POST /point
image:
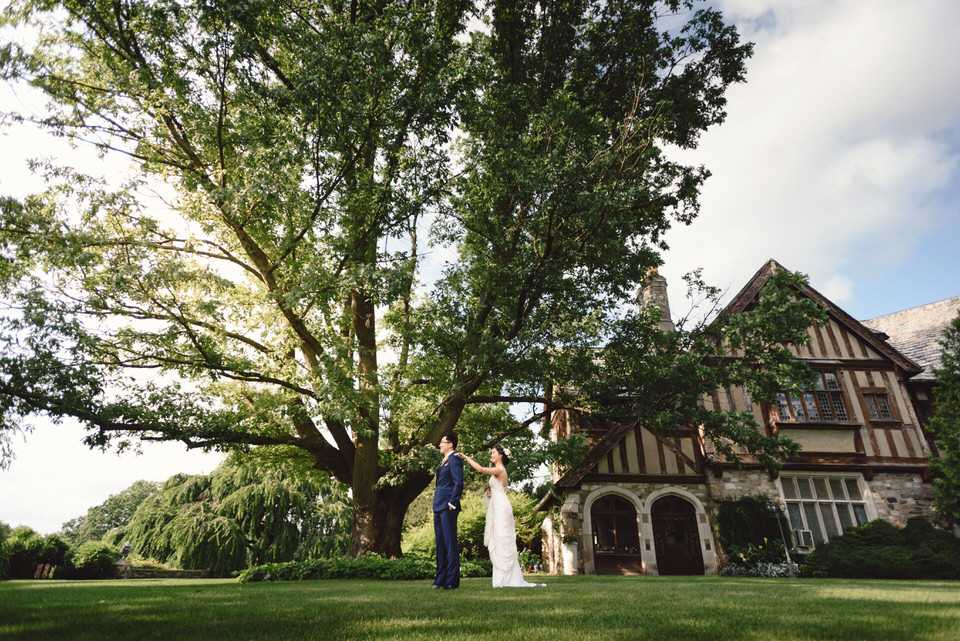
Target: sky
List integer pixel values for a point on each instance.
(839, 158)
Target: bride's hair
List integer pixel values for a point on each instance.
(504, 458)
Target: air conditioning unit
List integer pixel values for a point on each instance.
(804, 538)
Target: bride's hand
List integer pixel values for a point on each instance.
(461, 456)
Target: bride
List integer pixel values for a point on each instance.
(499, 534)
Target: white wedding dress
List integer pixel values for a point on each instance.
(500, 537)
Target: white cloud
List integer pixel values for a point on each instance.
(840, 150)
(839, 289)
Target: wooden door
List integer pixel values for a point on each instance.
(676, 537)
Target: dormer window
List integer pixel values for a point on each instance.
(824, 404)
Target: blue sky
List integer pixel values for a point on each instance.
(840, 158)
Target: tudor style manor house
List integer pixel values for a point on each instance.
(642, 504)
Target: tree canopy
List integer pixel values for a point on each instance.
(382, 221)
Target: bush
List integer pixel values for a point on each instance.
(55, 550)
(751, 538)
(421, 541)
(23, 550)
(880, 550)
(470, 527)
(4, 560)
(94, 560)
(767, 570)
(371, 566)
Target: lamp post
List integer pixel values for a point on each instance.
(775, 513)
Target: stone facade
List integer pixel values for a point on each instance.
(899, 497)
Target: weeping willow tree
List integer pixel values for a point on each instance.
(244, 513)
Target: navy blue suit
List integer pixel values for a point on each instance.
(447, 493)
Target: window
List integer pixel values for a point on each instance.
(823, 404)
(824, 505)
(877, 406)
(614, 525)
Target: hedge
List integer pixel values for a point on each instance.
(880, 550)
(408, 568)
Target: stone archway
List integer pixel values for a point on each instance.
(676, 536)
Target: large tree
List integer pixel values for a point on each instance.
(384, 219)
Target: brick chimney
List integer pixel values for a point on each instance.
(654, 292)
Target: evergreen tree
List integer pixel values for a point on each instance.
(945, 425)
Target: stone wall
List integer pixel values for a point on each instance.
(899, 497)
(123, 570)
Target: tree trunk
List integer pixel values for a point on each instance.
(378, 527)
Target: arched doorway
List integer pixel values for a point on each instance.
(676, 536)
(616, 540)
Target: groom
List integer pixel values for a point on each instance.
(446, 508)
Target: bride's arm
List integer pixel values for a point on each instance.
(477, 466)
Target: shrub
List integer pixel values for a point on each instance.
(411, 567)
(880, 550)
(748, 531)
(55, 550)
(24, 548)
(4, 560)
(767, 570)
(421, 540)
(94, 560)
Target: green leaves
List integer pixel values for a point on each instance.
(502, 191)
(246, 512)
(945, 426)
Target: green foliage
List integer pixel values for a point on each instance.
(421, 541)
(250, 510)
(311, 166)
(667, 373)
(94, 560)
(880, 550)
(113, 513)
(23, 550)
(748, 530)
(370, 566)
(945, 425)
(751, 538)
(55, 550)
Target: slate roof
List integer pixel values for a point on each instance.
(916, 332)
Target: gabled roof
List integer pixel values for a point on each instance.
(748, 294)
(573, 476)
(917, 332)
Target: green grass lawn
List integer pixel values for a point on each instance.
(569, 608)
